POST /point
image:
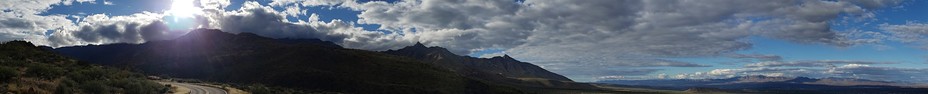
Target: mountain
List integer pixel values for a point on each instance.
(768, 84)
(27, 69)
(500, 69)
(305, 64)
(501, 65)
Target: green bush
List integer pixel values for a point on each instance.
(44, 71)
(70, 76)
(7, 73)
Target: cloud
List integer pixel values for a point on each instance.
(616, 73)
(214, 4)
(57, 30)
(910, 32)
(102, 29)
(627, 68)
(108, 3)
(614, 33)
(19, 20)
(811, 63)
(557, 34)
(307, 2)
(762, 57)
(28, 7)
(562, 29)
(265, 21)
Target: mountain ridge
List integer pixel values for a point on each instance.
(308, 64)
(303, 64)
(504, 65)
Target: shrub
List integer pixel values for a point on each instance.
(7, 73)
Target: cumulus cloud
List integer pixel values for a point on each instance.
(654, 28)
(556, 34)
(28, 7)
(57, 30)
(265, 21)
(101, 29)
(614, 33)
(20, 20)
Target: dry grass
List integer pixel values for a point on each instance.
(228, 89)
(177, 89)
(31, 86)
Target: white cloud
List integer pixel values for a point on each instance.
(214, 4)
(294, 11)
(108, 3)
(910, 32)
(265, 21)
(810, 63)
(19, 20)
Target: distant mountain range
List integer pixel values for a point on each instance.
(768, 84)
(319, 66)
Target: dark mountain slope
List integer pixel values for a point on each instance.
(503, 65)
(310, 65)
(500, 69)
(27, 69)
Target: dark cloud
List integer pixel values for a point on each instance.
(102, 29)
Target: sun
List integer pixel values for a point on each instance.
(183, 8)
(181, 16)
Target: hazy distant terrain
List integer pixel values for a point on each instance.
(765, 84)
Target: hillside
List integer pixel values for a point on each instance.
(27, 69)
(305, 64)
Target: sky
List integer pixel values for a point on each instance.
(585, 40)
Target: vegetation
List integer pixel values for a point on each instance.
(27, 69)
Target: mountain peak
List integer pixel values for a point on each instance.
(499, 65)
(204, 31)
(505, 57)
(419, 44)
(419, 47)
